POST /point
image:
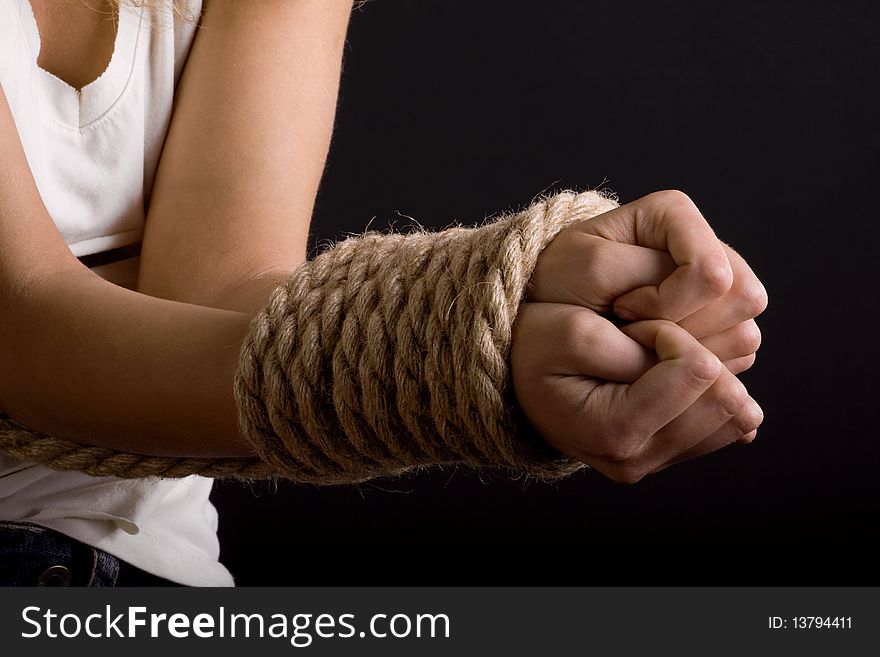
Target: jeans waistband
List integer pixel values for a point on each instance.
(32, 555)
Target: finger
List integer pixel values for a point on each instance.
(740, 340)
(745, 300)
(632, 414)
(724, 400)
(581, 343)
(592, 271)
(740, 365)
(711, 421)
(748, 438)
(742, 428)
(669, 221)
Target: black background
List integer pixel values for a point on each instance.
(764, 113)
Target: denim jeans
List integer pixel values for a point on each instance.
(31, 555)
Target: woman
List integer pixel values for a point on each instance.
(217, 198)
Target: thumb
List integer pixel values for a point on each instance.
(591, 271)
(684, 371)
(670, 222)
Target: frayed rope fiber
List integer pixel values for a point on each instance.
(383, 354)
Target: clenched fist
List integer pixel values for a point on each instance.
(632, 400)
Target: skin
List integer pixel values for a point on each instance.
(76, 38)
(150, 370)
(632, 401)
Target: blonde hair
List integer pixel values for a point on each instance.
(177, 6)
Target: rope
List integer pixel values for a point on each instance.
(20, 442)
(384, 354)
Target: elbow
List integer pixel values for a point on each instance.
(32, 329)
(243, 289)
(19, 349)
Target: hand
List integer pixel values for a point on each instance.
(657, 258)
(628, 403)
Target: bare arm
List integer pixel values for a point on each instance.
(85, 360)
(235, 190)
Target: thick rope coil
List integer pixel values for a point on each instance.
(390, 352)
(383, 354)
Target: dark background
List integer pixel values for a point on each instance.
(764, 113)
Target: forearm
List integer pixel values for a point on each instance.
(91, 362)
(388, 352)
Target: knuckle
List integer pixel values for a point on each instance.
(753, 298)
(730, 395)
(618, 438)
(750, 337)
(752, 417)
(702, 367)
(619, 446)
(716, 274)
(745, 339)
(576, 332)
(674, 198)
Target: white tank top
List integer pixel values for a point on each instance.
(94, 154)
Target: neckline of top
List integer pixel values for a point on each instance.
(80, 108)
